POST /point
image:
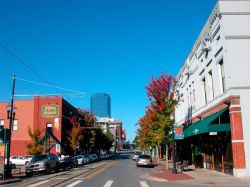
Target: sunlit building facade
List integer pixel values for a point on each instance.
(215, 92)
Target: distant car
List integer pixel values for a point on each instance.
(94, 157)
(135, 155)
(82, 159)
(42, 163)
(144, 160)
(68, 162)
(20, 160)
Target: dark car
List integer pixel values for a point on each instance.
(42, 163)
(68, 162)
(144, 160)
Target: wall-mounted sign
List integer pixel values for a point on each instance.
(178, 135)
(50, 111)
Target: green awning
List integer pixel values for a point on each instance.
(205, 125)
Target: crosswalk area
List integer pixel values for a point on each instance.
(77, 182)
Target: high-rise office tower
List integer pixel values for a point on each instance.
(100, 105)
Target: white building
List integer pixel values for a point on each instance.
(214, 77)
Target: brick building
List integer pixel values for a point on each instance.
(51, 115)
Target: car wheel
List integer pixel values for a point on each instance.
(57, 168)
(29, 174)
(47, 169)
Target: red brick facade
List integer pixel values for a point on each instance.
(29, 114)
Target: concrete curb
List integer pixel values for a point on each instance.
(9, 181)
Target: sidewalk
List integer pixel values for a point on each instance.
(15, 178)
(196, 177)
(9, 181)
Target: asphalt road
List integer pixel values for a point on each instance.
(119, 172)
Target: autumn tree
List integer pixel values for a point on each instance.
(156, 124)
(34, 147)
(75, 135)
(89, 118)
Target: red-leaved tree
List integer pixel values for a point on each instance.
(156, 124)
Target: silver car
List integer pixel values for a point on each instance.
(144, 160)
(42, 163)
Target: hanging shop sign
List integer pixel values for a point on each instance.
(178, 135)
(50, 111)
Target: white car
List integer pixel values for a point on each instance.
(82, 159)
(20, 160)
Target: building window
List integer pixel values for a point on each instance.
(210, 85)
(1, 123)
(222, 76)
(203, 85)
(15, 124)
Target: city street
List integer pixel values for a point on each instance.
(118, 172)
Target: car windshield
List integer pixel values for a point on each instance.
(137, 153)
(144, 156)
(39, 157)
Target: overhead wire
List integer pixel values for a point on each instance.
(48, 85)
(23, 63)
(34, 72)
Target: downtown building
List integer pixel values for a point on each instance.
(214, 89)
(100, 105)
(51, 115)
(114, 127)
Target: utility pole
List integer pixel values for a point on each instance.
(11, 115)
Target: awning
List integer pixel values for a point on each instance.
(206, 125)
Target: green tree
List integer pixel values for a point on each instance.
(34, 147)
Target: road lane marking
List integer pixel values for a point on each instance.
(108, 183)
(78, 178)
(74, 183)
(144, 184)
(39, 183)
(60, 178)
(100, 170)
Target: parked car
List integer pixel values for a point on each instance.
(135, 155)
(42, 163)
(89, 158)
(68, 162)
(20, 160)
(82, 159)
(144, 160)
(60, 157)
(94, 157)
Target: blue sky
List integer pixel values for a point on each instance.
(111, 46)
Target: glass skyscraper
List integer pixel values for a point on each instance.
(100, 105)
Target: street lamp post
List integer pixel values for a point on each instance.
(174, 171)
(11, 110)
